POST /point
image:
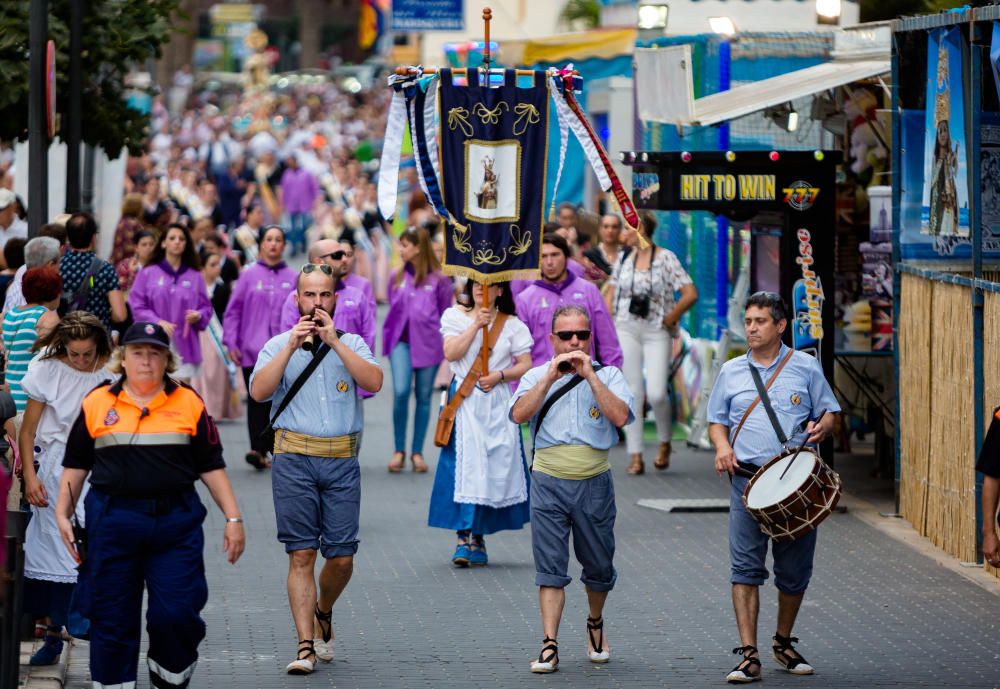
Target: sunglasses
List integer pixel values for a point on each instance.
(567, 335)
(310, 267)
(335, 255)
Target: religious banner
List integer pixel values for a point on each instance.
(946, 200)
(488, 180)
(493, 150)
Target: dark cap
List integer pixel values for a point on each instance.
(146, 333)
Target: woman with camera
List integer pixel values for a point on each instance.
(481, 485)
(641, 299)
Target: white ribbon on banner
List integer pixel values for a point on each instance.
(388, 175)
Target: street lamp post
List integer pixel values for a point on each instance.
(74, 127)
(38, 140)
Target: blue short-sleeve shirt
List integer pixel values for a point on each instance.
(328, 404)
(797, 395)
(576, 419)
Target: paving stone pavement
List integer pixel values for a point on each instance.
(877, 613)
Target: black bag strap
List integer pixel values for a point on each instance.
(318, 355)
(79, 298)
(766, 401)
(574, 381)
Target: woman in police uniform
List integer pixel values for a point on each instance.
(144, 440)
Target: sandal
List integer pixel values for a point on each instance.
(324, 644)
(547, 663)
(663, 458)
(599, 654)
(303, 665)
(741, 674)
(397, 463)
(788, 658)
(419, 465)
(637, 467)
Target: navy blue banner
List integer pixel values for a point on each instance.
(428, 15)
(493, 162)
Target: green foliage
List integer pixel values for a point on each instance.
(117, 35)
(586, 13)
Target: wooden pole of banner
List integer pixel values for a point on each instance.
(487, 16)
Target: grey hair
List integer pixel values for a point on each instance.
(569, 310)
(41, 250)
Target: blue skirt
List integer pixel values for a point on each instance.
(445, 513)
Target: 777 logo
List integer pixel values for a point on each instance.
(801, 195)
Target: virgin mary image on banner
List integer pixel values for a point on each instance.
(945, 200)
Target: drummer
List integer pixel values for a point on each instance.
(797, 391)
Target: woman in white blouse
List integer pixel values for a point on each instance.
(71, 364)
(481, 483)
(642, 300)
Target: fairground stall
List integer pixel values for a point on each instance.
(946, 122)
(806, 111)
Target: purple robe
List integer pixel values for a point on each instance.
(364, 284)
(537, 303)
(161, 294)
(417, 311)
(253, 315)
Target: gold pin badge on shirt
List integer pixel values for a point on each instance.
(796, 399)
(342, 385)
(594, 412)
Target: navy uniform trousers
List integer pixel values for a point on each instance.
(156, 544)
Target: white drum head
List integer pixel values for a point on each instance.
(769, 489)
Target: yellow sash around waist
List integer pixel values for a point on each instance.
(573, 462)
(339, 447)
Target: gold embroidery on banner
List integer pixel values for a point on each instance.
(521, 240)
(527, 114)
(487, 116)
(486, 255)
(459, 117)
(460, 238)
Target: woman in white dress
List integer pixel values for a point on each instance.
(71, 364)
(481, 484)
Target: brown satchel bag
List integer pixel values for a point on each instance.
(446, 419)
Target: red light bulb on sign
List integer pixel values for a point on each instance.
(774, 156)
(686, 157)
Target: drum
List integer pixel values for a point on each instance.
(790, 507)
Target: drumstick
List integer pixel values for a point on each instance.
(801, 447)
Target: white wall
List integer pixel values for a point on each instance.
(687, 16)
(109, 176)
(512, 20)
(614, 97)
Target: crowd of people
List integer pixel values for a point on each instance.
(120, 368)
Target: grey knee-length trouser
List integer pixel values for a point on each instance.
(585, 508)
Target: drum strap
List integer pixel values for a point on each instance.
(762, 395)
